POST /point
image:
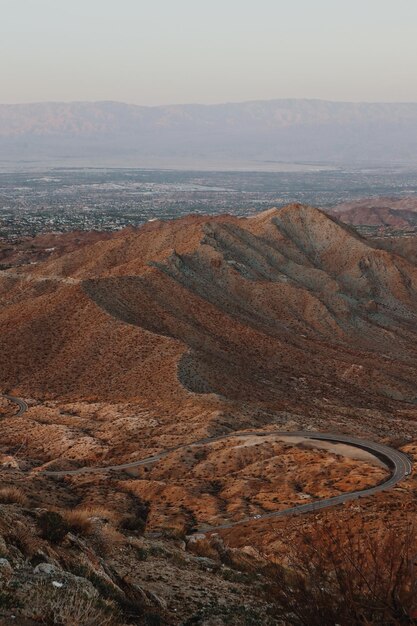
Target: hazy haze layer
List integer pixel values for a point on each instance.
(257, 133)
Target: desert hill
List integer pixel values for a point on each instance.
(394, 213)
(284, 307)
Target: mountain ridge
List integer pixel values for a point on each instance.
(236, 308)
(288, 130)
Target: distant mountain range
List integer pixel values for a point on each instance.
(258, 133)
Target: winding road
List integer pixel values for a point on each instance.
(398, 462)
(23, 407)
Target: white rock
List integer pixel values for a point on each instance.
(46, 568)
(6, 569)
(195, 538)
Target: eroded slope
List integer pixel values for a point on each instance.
(286, 306)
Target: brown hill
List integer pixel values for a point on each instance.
(281, 308)
(396, 213)
(405, 245)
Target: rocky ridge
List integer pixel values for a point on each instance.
(289, 303)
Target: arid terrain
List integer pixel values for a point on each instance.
(127, 345)
(392, 213)
(29, 250)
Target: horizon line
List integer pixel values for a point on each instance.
(202, 104)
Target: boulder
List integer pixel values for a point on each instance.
(6, 569)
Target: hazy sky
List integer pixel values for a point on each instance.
(172, 51)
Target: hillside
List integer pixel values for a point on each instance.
(234, 134)
(182, 350)
(273, 310)
(41, 247)
(393, 213)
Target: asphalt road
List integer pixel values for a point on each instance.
(23, 407)
(398, 463)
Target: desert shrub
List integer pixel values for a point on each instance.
(107, 538)
(157, 551)
(348, 575)
(68, 607)
(297, 486)
(53, 526)
(178, 560)
(207, 548)
(12, 495)
(201, 454)
(82, 520)
(78, 521)
(28, 543)
(215, 486)
(173, 533)
(133, 523)
(100, 512)
(141, 553)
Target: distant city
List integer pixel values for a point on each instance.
(59, 200)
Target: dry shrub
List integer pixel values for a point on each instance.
(100, 512)
(206, 547)
(83, 519)
(12, 495)
(68, 607)
(346, 575)
(52, 526)
(21, 537)
(78, 521)
(96, 523)
(107, 538)
(132, 523)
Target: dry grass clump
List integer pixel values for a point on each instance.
(82, 520)
(96, 522)
(78, 521)
(101, 512)
(69, 607)
(27, 542)
(107, 538)
(12, 495)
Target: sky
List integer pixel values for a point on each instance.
(154, 52)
